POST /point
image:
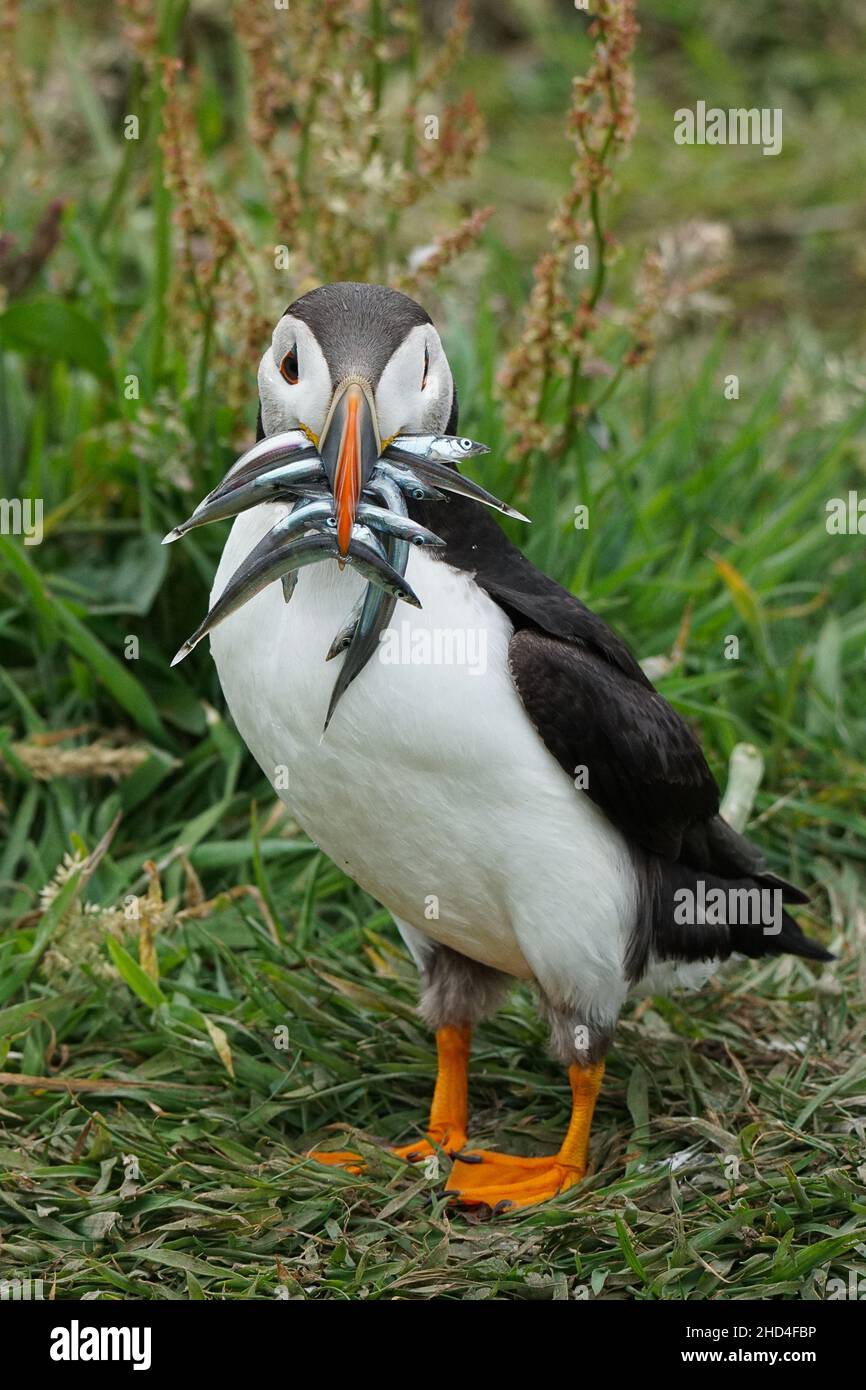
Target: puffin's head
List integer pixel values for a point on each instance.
(354, 365)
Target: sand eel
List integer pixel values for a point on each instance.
(558, 813)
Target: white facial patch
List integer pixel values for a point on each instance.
(285, 407)
(403, 405)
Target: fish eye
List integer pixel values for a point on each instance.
(418, 540)
(466, 444)
(426, 366)
(417, 493)
(289, 366)
(331, 521)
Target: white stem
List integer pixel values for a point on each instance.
(745, 771)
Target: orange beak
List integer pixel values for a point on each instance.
(349, 447)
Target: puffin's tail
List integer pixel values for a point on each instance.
(696, 915)
(790, 940)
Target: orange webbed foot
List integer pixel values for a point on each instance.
(504, 1182)
(448, 1115)
(339, 1158)
(418, 1151)
(483, 1177)
(449, 1140)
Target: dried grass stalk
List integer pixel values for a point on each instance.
(90, 760)
(545, 378)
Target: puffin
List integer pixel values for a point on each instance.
(539, 813)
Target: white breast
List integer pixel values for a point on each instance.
(431, 788)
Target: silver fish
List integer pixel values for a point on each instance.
(274, 448)
(451, 481)
(268, 563)
(289, 475)
(308, 514)
(381, 485)
(362, 533)
(227, 501)
(344, 636)
(395, 524)
(367, 560)
(376, 613)
(401, 475)
(384, 487)
(309, 517)
(288, 466)
(436, 448)
(303, 513)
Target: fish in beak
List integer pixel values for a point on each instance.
(349, 447)
(349, 491)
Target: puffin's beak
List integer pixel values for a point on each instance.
(349, 447)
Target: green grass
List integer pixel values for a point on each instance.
(752, 1091)
(727, 1148)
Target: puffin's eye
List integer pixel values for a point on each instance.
(289, 366)
(426, 365)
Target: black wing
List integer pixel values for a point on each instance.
(584, 691)
(629, 750)
(595, 709)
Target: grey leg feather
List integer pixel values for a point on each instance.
(456, 990)
(572, 1037)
